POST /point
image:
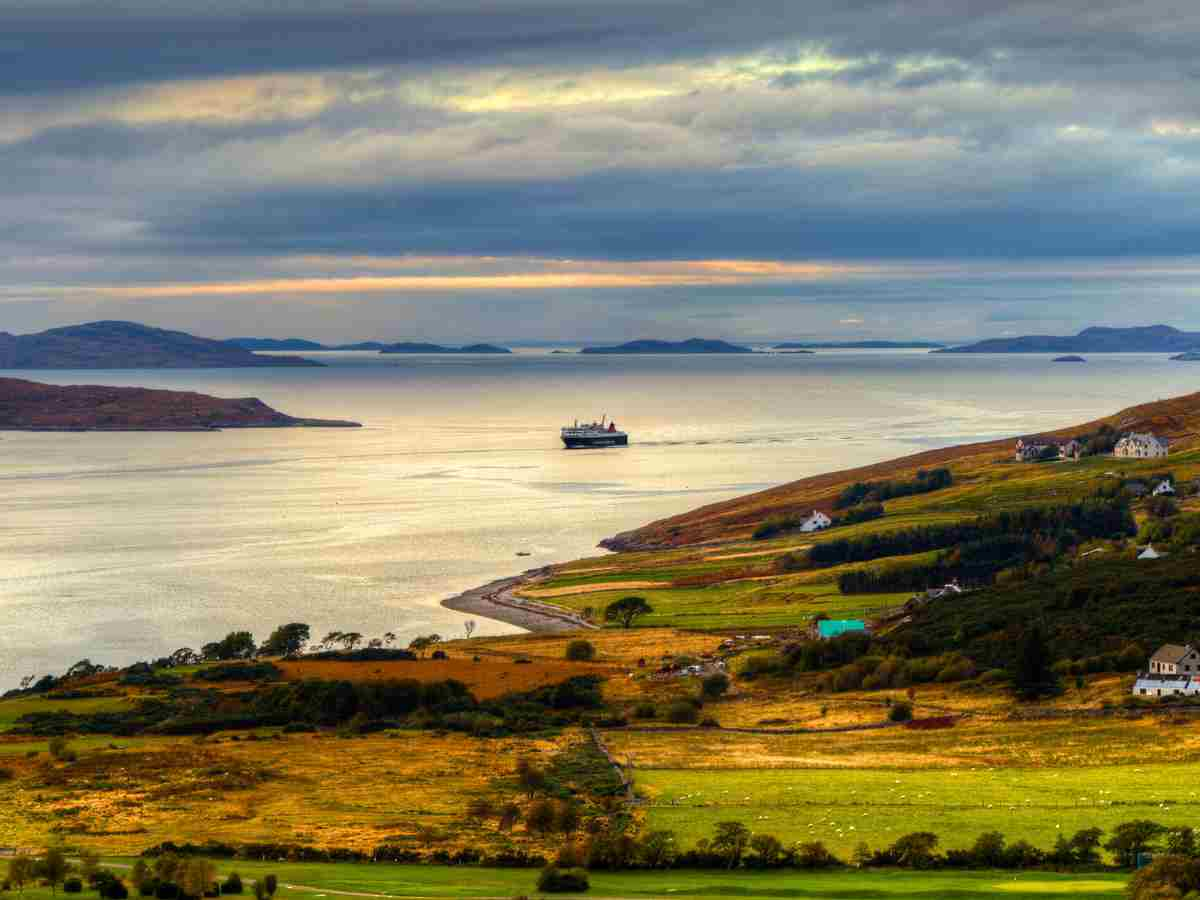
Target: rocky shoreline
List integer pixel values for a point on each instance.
(497, 600)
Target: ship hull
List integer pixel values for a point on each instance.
(581, 443)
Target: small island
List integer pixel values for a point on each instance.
(438, 348)
(1070, 358)
(693, 345)
(32, 406)
(858, 345)
(1190, 356)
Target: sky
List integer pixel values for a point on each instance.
(535, 170)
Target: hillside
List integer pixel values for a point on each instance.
(30, 406)
(1147, 339)
(858, 345)
(254, 343)
(127, 345)
(1178, 419)
(692, 345)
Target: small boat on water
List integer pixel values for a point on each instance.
(594, 434)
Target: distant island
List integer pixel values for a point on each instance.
(1068, 359)
(694, 345)
(858, 345)
(269, 344)
(31, 406)
(1146, 339)
(1190, 356)
(128, 345)
(438, 348)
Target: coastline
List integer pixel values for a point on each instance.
(223, 426)
(497, 600)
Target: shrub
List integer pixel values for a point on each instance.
(644, 711)
(682, 712)
(6, 774)
(815, 855)
(713, 686)
(554, 880)
(901, 712)
(581, 651)
(60, 749)
(72, 886)
(232, 884)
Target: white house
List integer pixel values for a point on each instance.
(1175, 659)
(816, 522)
(1164, 487)
(1141, 446)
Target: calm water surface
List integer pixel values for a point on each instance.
(119, 547)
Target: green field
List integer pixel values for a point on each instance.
(327, 879)
(843, 807)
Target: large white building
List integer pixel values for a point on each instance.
(1141, 446)
(818, 521)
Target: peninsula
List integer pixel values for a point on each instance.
(1146, 339)
(128, 345)
(301, 344)
(32, 406)
(693, 345)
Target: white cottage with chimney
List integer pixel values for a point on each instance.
(1141, 446)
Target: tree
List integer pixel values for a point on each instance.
(350, 639)
(580, 650)
(197, 877)
(626, 610)
(541, 816)
(1131, 838)
(327, 642)
(510, 814)
(988, 850)
(568, 817)
(286, 640)
(1085, 845)
(271, 883)
(184, 656)
(235, 645)
(1033, 677)
(20, 871)
(714, 685)
(530, 778)
(917, 850)
(1166, 877)
(767, 850)
(658, 849)
(730, 841)
(139, 874)
(469, 627)
(423, 642)
(1181, 841)
(53, 867)
(89, 865)
(389, 638)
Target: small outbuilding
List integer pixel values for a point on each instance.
(818, 521)
(825, 629)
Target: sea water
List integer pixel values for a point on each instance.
(125, 546)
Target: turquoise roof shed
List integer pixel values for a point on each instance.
(831, 628)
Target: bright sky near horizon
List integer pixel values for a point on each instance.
(538, 169)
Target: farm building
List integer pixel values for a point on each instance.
(818, 521)
(1141, 446)
(1029, 451)
(1148, 685)
(1164, 488)
(824, 629)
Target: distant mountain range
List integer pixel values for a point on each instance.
(253, 343)
(127, 345)
(694, 345)
(31, 406)
(1147, 339)
(858, 345)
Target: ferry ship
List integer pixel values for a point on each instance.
(594, 434)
